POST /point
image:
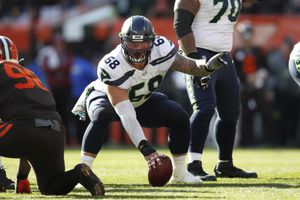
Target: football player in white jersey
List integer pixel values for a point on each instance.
(204, 28)
(125, 91)
(294, 63)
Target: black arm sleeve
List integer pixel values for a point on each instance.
(183, 20)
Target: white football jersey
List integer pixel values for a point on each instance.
(113, 69)
(295, 54)
(214, 22)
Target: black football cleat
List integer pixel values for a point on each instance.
(196, 169)
(4, 181)
(228, 170)
(89, 180)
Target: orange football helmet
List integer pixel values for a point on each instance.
(8, 50)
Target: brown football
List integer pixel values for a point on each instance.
(162, 173)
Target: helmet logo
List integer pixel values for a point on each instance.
(137, 38)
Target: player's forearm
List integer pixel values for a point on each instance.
(190, 66)
(187, 44)
(119, 99)
(127, 114)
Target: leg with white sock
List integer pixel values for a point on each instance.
(180, 173)
(94, 135)
(91, 143)
(87, 158)
(101, 114)
(177, 120)
(199, 126)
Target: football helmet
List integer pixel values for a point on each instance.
(137, 37)
(8, 50)
(294, 63)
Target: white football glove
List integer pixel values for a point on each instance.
(216, 62)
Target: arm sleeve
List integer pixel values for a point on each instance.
(127, 114)
(183, 20)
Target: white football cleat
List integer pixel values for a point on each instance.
(186, 178)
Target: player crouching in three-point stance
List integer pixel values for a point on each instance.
(125, 90)
(31, 129)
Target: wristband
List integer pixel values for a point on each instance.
(145, 148)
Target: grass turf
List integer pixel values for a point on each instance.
(124, 173)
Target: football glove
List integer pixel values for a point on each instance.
(216, 62)
(23, 186)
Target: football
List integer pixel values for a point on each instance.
(160, 176)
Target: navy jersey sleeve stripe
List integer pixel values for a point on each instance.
(121, 80)
(164, 58)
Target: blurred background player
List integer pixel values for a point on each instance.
(204, 28)
(249, 60)
(32, 129)
(125, 90)
(294, 63)
(286, 94)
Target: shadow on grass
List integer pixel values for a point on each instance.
(146, 187)
(171, 191)
(144, 191)
(257, 185)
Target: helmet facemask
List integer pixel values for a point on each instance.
(137, 52)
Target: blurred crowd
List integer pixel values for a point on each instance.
(270, 115)
(269, 95)
(57, 10)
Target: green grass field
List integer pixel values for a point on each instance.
(124, 173)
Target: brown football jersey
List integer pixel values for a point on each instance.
(23, 95)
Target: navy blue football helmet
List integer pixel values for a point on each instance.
(137, 37)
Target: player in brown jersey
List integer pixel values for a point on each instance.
(31, 129)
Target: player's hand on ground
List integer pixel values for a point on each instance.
(153, 160)
(216, 62)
